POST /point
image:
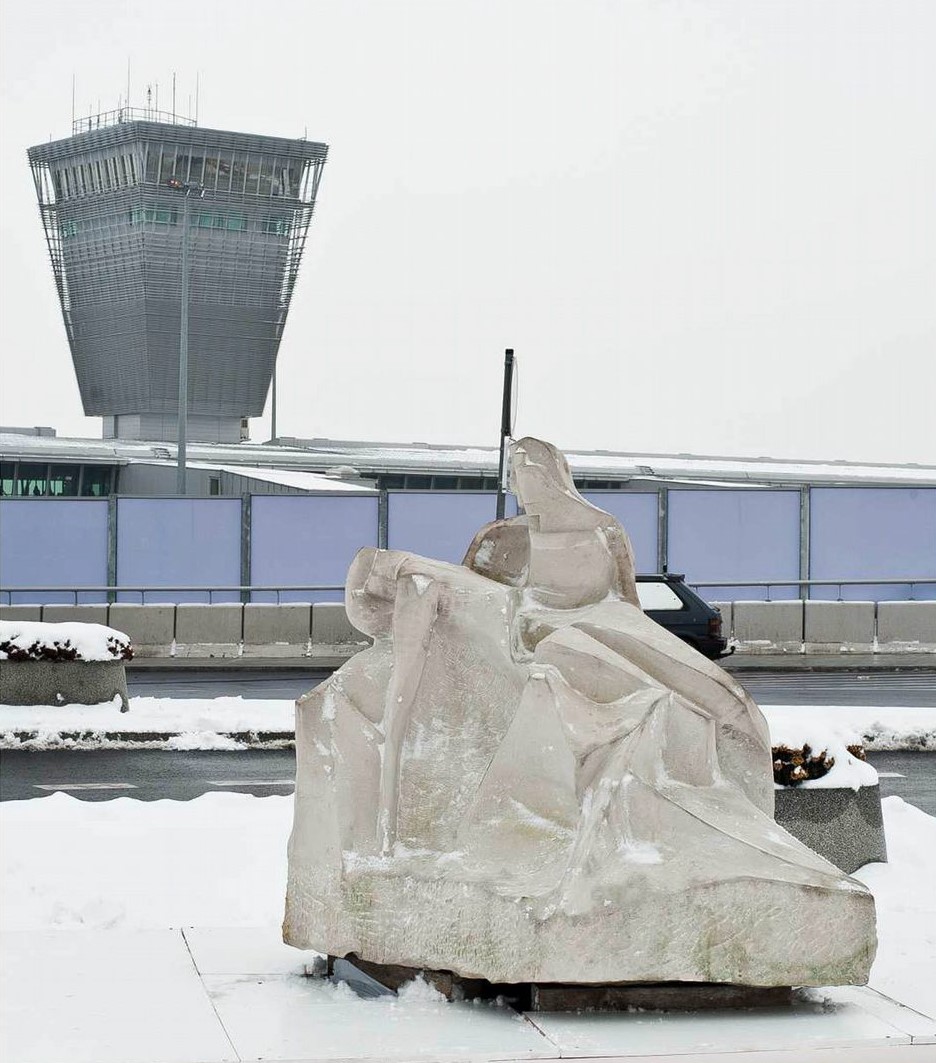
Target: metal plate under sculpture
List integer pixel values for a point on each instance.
(527, 780)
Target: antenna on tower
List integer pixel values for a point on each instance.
(173, 95)
(73, 101)
(157, 100)
(196, 97)
(128, 81)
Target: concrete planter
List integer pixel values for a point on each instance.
(845, 826)
(63, 683)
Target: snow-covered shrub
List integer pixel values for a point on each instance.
(32, 641)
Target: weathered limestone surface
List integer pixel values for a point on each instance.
(525, 779)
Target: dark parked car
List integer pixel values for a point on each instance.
(666, 599)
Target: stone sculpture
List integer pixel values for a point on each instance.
(525, 779)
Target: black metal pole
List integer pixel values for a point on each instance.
(505, 430)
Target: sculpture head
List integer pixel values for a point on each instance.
(564, 550)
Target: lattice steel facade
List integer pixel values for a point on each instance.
(114, 229)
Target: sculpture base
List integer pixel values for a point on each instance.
(555, 996)
(742, 931)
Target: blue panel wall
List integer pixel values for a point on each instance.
(867, 532)
(440, 524)
(297, 540)
(178, 542)
(743, 535)
(53, 542)
(637, 512)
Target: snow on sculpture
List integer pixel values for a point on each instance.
(525, 779)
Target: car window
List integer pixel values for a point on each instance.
(658, 596)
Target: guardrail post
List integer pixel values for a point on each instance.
(246, 512)
(383, 519)
(662, 529)
(804, 543)
(111, 549)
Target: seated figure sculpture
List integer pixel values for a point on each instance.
(525, 779)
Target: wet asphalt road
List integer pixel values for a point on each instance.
(770, 688)
(153, 774)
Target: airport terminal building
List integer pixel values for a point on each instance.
(140, 208)
(295, 512)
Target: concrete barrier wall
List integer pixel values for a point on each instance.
(278, 630)
(831, 627)
(904, 626)
(151, 628)
(834, 627)
(769, 627)
(321, 632)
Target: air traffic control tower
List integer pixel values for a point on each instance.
(117, 198)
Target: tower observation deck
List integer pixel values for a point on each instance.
(116, 199)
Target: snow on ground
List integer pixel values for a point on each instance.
(198, 723)
(905, 895)
(876, 727)
(220, 861)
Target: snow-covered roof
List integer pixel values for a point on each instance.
(307, 481)
(370, 458)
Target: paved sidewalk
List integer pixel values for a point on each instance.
(829, 662)
(215, 995)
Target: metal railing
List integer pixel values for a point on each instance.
(245, 593)
(110, 593)
(129, 114)
(805, 584)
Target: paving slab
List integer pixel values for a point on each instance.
(820, 1020)
(285, 1017)
(105, 997)
(245, 950)
(213, 995)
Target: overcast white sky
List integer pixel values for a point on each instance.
(705, 227)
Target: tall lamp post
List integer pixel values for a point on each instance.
(187, 189)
